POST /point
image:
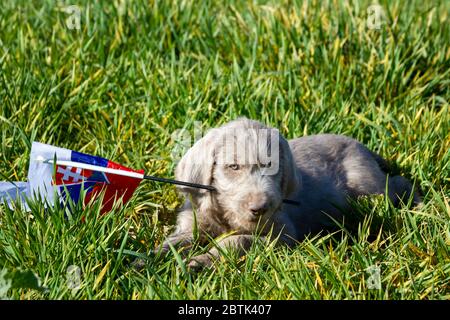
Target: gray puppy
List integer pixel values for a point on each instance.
(253, 168)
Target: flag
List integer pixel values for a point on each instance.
(72, 172)
(14, 192)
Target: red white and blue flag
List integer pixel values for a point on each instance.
(64, 173)
(73, 178)
(72, 172)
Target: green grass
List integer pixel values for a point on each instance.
(134, 74)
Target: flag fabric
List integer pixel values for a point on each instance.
(14, 192)
(73, 171)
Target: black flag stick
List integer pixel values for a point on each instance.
(200, 186)
(181, 183)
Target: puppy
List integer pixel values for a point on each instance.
(253, 169)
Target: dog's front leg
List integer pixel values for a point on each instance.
(240, 243)
(183, 236)
(181, 241)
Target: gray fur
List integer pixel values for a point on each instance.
(321, 172)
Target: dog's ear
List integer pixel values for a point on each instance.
(196, 165)
(290, 180)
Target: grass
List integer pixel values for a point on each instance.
(137, 71)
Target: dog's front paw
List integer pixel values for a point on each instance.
(138, 264)
(163, 249)
(200, 262)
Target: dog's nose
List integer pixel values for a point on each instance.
(258, 208)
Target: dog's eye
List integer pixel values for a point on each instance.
(233, 166)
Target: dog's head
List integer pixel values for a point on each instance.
(250, 166)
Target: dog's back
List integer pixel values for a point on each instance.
(332, 169)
